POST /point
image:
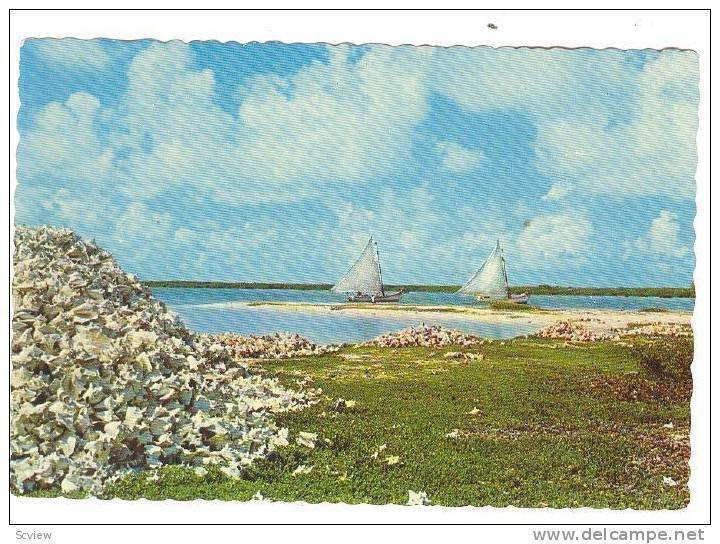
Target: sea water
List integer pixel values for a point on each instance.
(216, 310)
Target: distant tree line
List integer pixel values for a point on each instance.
(543, 289)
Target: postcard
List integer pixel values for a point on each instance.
(354, 273)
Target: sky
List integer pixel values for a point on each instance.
(276, 162)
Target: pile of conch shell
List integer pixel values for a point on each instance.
(428, 336)
(106, 381)
(673, 330)
(279, 345)
(572, 331)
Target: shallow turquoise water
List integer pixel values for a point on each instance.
(211, 310)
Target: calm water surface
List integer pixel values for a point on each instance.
(211, 310)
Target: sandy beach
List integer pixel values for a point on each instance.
(601, 321)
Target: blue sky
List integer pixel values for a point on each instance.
(275, 162)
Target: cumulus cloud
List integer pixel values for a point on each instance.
(662, 238)
(457, 158)
(72, 53)
(554, 239)
(545, 83)
(63, 144)
(349, 121)
(601, 125)
(653, 153)
(343, 121)
(340, 121)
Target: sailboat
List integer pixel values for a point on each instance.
(490, 281)
(363, 282)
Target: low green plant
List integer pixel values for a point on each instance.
(666, 358)
(653, 310)
(512, 428)
(509, 305)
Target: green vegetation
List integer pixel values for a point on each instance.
(513, 306)
(399, 307)
(236, 285)
(523, 426)
(667, 358)
(653, 310)
(664, 292)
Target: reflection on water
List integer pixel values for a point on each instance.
(203, 311)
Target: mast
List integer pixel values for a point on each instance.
(377, 254)
(502, 257)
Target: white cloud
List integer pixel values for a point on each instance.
(545, 83)
(340, 122)
(139, 222)
(457, 158)
(353, 121)
(402, 224)
(653, 153)
(603, 124)
(63, 143)
(72, 53)
(554, 240)
(661, 239)
(557, 191)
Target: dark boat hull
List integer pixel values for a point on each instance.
(521, 298)
(374, 299)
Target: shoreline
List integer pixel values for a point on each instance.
(543, 290)
(596, 320)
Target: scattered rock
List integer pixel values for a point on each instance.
(341, 405)
(467, 356)
(417, 498)
(377, 452)
(302, 469)
(392, 460)
(307, 439)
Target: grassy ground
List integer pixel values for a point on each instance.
(526, 427)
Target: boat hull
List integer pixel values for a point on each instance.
(521, 298)
(375, 299)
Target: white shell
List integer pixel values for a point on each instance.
(115, 370)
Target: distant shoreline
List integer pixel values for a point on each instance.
(661, 292)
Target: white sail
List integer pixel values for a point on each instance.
(490, 280)
(364, 276)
